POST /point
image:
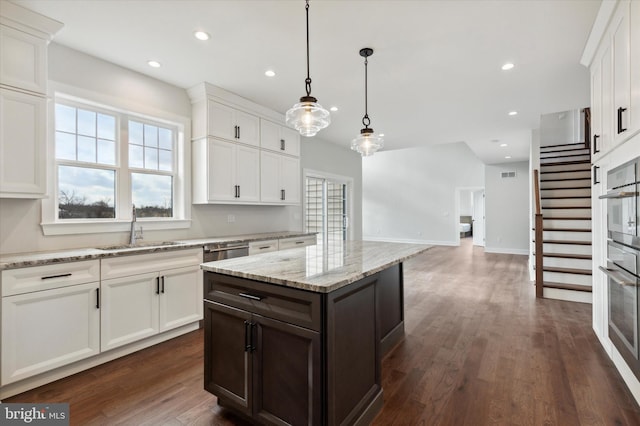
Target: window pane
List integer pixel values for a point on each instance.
(165, 160)
(165, 138)
(65, 118)
(65, 146)
(106, 152)
(135, 133)
(86, 149)
(85, 193)
(151, 158)
(106, 127)
(150, 135)
(86, 122)
(152, 195)
(136, 156)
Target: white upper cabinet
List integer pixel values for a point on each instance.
(280, 179)
(275, 137)
(232, 124)
(24, 36)
(621, 79)
(634, 65)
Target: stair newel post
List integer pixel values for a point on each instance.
(538, 235)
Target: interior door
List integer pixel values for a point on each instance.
(478, 218)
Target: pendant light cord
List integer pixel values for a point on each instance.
(308, 80)
(365, 120)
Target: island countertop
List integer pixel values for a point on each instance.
(317, 268)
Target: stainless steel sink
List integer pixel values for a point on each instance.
(138, 245)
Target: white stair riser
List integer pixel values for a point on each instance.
(582, 192)
(565, 262)
(556, 153)
(568, 202)
(566, 248)
(565, 167)
(556, 160)
(560, 277)
(551, 213)
(569, 295)
(565, 183)
(566, 236)
(566, 147)
(572, 224)
(568, 175)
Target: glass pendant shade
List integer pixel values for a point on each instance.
(367, 143)
(308, 117)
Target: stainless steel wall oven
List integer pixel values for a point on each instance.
(623, 260)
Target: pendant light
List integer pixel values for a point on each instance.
(308, 117)
(367, 143)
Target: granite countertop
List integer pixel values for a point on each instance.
(23, 260)
(316, 268)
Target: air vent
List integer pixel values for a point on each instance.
(505, 175)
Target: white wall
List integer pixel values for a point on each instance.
(409, 194)
(20, 229)
(466, 202)
(507, 202)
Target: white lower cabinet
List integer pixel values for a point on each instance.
(48, 319)
(155, 299)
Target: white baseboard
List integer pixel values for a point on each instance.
(506, 251)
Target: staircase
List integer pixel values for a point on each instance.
(565, 202)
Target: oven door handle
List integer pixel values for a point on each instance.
(619, 194)
(617, 277)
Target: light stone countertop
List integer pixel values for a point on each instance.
(317, 269)
(23, 260)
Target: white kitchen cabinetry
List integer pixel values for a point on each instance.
(280, 178)
(266, 246)
(275, 137)
(232, 124)
(24, 36)
(287, 243)
(143, 295)
(50, 317)
(225, 172)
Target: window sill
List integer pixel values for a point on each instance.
(98, 227)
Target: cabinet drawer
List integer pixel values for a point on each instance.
(36, 278)
(287, 243)
(258, 247)
(123, 266)
(290, 305)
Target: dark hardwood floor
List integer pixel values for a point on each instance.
(479, 349)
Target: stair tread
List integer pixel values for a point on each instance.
(566, 229)
(564, 171)
(568, 207)
(565, 187)
(564, 144)
(566, 179)
(563, 286)
(566, 218)
(574, 242)
(575, 271)
(551, 151)
(561, 156)
(568, 255)
(565, 163)
(567, 197)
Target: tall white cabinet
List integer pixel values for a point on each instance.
(24, 37)
(241, 152)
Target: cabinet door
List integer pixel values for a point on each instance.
(596, 111)
(621, 87)
(221, 122)
(227, 362)
(248, 128)
(129, 309)
(607, 111)
(269, 135)
(290, 179)
(24, 60)
(221, 170)
(48, 329)
(291, 140)
(247, 173)
(270, 190)
(634, 65)
(180, 297)
(286, 373)
(22, 145)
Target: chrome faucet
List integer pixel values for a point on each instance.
(134, 236)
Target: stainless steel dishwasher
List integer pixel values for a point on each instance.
(220, 251)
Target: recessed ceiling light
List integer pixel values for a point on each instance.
(507, 156)
(154, 64)
(201, 35)
(333, 109)
(381, 135)
(503, 145)
(270, 73)
(507, 66)
(513, 112)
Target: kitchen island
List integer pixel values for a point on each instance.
(297, 336)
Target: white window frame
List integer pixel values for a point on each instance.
(181, 219)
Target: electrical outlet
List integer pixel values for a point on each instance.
(231, 218)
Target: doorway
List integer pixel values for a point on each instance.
(327, 203)
(469, 213)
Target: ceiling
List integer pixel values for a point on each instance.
(435, 75)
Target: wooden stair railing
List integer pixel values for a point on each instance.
(538, 235)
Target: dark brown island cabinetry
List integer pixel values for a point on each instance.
(281, 355)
